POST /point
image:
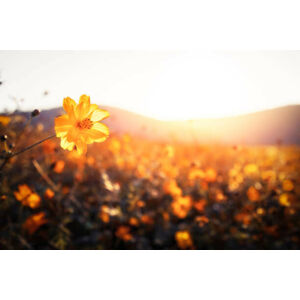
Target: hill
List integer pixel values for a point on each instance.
(265, 127)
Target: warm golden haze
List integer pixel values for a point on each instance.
(210, 84)
(81, 124)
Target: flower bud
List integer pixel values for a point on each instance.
(3, 137)
(35, 113)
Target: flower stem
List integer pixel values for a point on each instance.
(33, 145)
(25, 149)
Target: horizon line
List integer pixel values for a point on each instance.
(165, 120)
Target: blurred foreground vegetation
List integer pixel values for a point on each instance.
(129, 193)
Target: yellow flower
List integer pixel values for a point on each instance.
(184, 239)
(81, 126)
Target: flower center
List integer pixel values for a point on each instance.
(85, 124)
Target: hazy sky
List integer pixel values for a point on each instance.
(163, 85)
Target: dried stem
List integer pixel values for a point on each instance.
(23, 150)
(44, 175)
(33, 145)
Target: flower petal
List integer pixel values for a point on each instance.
(98, 133)
(83, 108)
(62, 122)
(73, 135)
(65, 144)
(69, 106)
(101, 127)
(85, 99)
(62, 125)
(95, 136)
(81, 147)
(99, 115)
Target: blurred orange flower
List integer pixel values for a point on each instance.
(123, 233)
(260, 211)
(34, 222)
(184, 239)
(181, 206)
(251, 169)
(196, 174)
(201, 220)
(114, 146)
(81, 125)
(133, 221)
(284, 199)
(287, 185)
(169, 151)
(147, 220)
(172, 188)
(49, 146)
(104, 216)
(27, 197)
(59, 166)
(200, 205)
(4, 120)
(243, 217)
(253, 194)
(220, 197)
(210, 175)
(268, 175)
(49, 194)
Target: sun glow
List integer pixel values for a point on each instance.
(161, 85)
(189, 87)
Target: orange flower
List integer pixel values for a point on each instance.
(181, 206)
(4, 120)
(287, 185)
(133, 221)
(253, 194)
(201, 220)
(172, 188)
(250, 170)
(220, 197)
(104, 217)
(59, 166)
(27, 197)
(210, 175)
(114, 146)
(184, 239)
(196, 174)
(200, 205)
(49, 146)
(49, 194)
(147, 220)
(81, 126)
(123, 233)
(33, 223)
(285, 199)
(243, 217)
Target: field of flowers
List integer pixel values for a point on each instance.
(129, 193)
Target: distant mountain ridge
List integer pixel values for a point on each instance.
(264, 127)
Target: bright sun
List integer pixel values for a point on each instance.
(192, 87)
